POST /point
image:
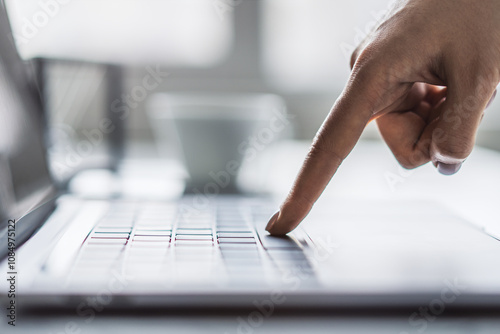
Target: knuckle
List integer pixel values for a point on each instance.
(412, 160)
(299, 202)
(375, 76)
(406, 164)
(366, 62)
(457, 149)
(388, 60)
(412, 156)
(374, 59)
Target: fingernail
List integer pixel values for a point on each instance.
(491, 100)
(448, 169)
(272, 221)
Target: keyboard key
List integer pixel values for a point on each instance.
(139, 258)
(240, 253)
(194, 230)
(237, 240)
(193, 237)
(102, 229)
(245, 261)
(238, 246)
(143, 249)
(148, 245)
(98, 235)
(234, 229)
(197, 256)
(241, 234)
(152, 238)
(272, 242)
(194, 252)
(194, 243)
(186, 230)
(154, 228)
(153, 232)
(144, 267)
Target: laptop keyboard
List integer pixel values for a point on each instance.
(190, 242)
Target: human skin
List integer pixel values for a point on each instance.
(425, 75)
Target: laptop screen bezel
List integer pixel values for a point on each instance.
(15, 207)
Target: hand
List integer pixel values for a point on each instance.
(426, 75)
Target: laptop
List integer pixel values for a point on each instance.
(62, 250)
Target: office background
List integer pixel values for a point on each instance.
(298, 49)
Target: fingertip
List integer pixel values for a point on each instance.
(272, 221)
(278, 226)
(278, 230)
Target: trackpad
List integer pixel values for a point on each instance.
(400, 246)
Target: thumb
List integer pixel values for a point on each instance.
(454, 134)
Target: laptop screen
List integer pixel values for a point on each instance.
(24, 175)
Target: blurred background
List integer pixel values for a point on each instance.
(98, 55)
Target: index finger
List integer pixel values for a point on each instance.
(334, 141)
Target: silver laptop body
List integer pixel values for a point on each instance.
(89, 254)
